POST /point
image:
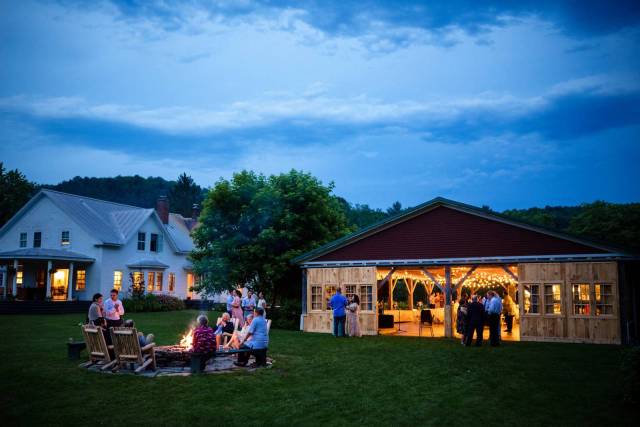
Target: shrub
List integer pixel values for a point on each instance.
(286, 315)
(151, 302)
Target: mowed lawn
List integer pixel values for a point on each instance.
(316, 379)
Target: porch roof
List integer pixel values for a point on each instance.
(45, 254)
(148, 263)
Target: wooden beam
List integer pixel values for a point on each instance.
(386, 278)
(465, 277)
(433, 278)
(448, 321)
(411, 286)
(509, 272)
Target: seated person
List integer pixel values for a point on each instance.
(141, 338)
(225, 325)
(203, 340)
(240, 335)
(257, 339)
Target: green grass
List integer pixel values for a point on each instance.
(316, 379)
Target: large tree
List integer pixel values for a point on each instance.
(252, 226)
(184, 194)
(15, 191)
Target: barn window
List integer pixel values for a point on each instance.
(366, 297)
(552, 300)
(329, 291)
(350, 290)
(316, 298)
(581, 299)
(531, 299)
(604, 299)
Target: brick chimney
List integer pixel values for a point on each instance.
(162, 208)
(195, 211)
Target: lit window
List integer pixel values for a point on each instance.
(581, 299)
(23, 240)
(138, 279)
(316, 298)
(531, 299)
(142, 241)
(604, 299)
(155, 243)
(37, 239)
(552, 300)
(19, 276)
(350, 290)
(81, 280)
(366, 297)
(159, 277)
(329, 291)
(151, 280)
(172, 282)
(64, 238)
(117, 280)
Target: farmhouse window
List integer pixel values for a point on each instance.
(37, 239)
(172, 282)
(81, 280)
(142, 241)
(151, 280)
(23, 240)
(64, 238)
(117, 280)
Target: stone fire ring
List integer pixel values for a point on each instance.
(173, 360)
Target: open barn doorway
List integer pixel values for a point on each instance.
(413, 301)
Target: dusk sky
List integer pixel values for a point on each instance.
(532, 104)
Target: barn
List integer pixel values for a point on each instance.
(564, 288)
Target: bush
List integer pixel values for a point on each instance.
(286, 315)
(151, 302)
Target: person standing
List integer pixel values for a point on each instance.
(495, 309)
(353, 316)
(236, 309)
(249, 303)
(262, 303)
(114, 310)
(461, 320)
(509, 310)
(230, 295)
(475, 321)
(338, 304)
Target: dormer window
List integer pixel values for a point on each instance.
(23, 240)
(142, 241)
(37, 239)
(64, 239)
(155, 243)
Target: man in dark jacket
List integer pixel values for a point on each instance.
(475, 321)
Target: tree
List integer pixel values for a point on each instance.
(609, 222)
(184, 194)
(395, 209)
(252, 226)
(15, 191)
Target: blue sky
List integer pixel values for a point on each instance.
(508, 104)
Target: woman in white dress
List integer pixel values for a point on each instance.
(262, 303)
(353, 316)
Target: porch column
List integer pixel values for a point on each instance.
(410, 287)
(49, 267)
(4, 282)
(70, 283)
(448, 324)
(391, 294)
(14, 286)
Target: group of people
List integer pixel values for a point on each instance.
(346, 314)
(240, 307)
(473, 315)
(253, 336)
(108, 314)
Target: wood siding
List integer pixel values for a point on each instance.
(322, 320)
(567, 326)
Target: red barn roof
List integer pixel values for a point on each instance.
(447, 230)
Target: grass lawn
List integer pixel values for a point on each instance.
(316, 379)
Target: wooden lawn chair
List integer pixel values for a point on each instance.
(226, 336)
(97, 347)
(127, 349)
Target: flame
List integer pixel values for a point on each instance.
(187, 340)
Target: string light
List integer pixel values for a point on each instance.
(482, 277)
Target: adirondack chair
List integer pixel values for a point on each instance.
(127, 349)
(97, 347)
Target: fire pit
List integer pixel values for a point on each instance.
(175, 355)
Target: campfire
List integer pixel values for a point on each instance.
(187, 340)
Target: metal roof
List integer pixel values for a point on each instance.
(45, 254)
(148, 263)
(111, 223)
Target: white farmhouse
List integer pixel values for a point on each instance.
(64, 247)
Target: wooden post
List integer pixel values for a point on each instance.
(49, 267)
(410, 288)
(70, 283)
(391, 293)
(14, 284)
(448, 324)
